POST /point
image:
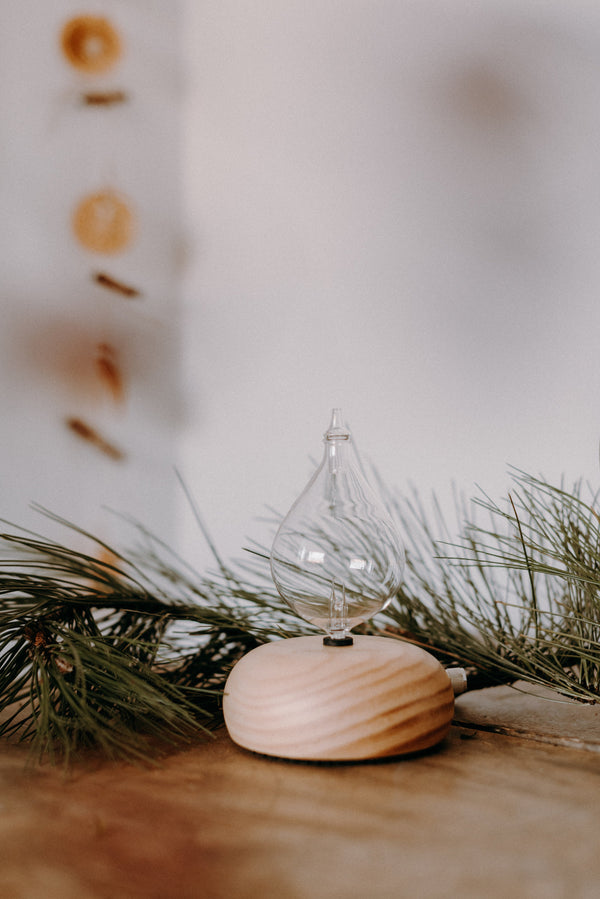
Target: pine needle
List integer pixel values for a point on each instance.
(127, 658)
(519, 599)
(130, 658)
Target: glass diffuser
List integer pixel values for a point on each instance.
(336, 558)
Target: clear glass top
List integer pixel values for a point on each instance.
(336, 558)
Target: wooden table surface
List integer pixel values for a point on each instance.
(485, 815)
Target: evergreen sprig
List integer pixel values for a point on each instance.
(128, 652)
(129, 656)
(518, 599)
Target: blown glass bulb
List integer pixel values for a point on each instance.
(336, 558)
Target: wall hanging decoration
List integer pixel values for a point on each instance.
(90, 341)
(103, 221)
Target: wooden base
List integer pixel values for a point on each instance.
(299, 699)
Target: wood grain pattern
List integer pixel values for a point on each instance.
(532, 712)
(300, 699)
(483, 815)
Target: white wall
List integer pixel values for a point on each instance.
(389, 206)
(392, 207)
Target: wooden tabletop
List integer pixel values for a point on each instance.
(485, 815)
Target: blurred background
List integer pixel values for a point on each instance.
(382, 205)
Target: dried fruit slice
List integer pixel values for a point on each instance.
(104, 222)
(91, 44)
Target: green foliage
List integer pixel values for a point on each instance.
(518, 599)
(130, 656)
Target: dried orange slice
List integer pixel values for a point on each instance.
(91, 44)
(104, 222)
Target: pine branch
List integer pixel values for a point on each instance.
(519, 599)
(129, 658)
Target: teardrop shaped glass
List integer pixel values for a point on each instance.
(336, 558)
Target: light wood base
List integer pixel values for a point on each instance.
(299, 699)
